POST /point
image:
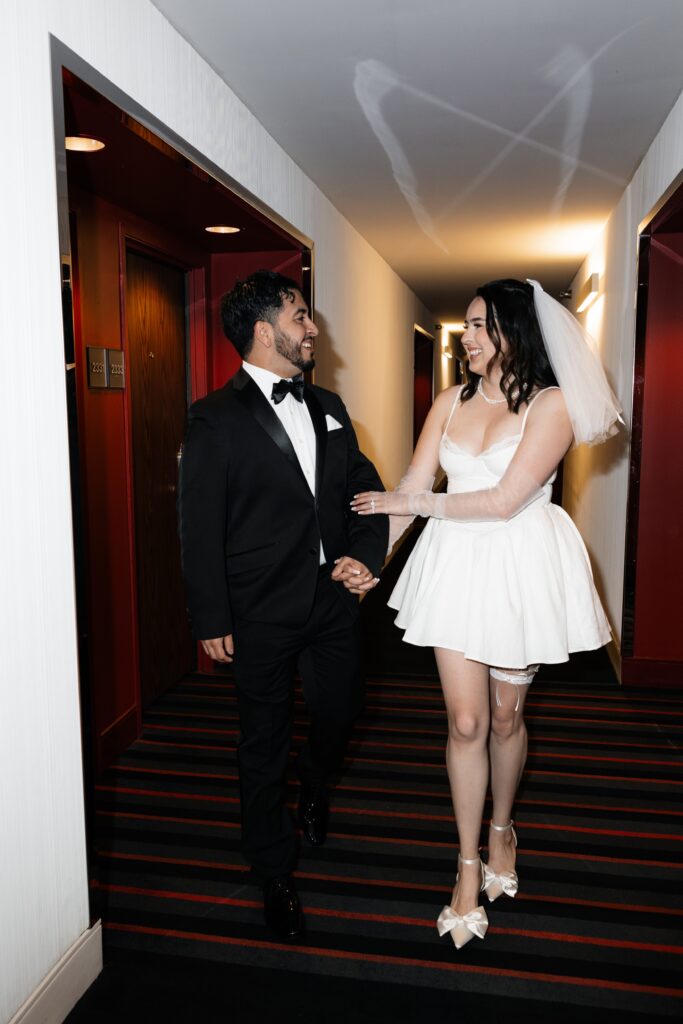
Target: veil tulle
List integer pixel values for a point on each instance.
(592, 405)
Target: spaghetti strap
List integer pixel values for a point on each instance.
(553, 387)
(450, 415)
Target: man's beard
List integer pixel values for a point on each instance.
(292, 352)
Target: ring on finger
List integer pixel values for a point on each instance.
(372, 504)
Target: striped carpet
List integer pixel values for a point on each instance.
(595, 929)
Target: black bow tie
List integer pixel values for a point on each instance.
(293, 387)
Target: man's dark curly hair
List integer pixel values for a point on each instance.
(259, 297)
(511, 314)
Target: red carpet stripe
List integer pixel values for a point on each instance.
(406, 815)
(394, 919)
(355, 880)
(300, 950)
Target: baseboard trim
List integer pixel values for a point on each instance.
(117, 737)
(614, 655)
(60, 990)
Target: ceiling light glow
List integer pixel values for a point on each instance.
(83, 144)
(563, 240)
(222, 229)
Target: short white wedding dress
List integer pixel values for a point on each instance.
(508, 593)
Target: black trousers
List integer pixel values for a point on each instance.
(326, 652)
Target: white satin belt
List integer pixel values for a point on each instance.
(507, 880)
(475, 921)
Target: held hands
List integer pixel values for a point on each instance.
(222, 648)
(355, 576)
(371, 503)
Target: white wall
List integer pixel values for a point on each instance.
(367, 314)
(596, 479)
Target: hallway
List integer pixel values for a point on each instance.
(595, 925)
(412, 151)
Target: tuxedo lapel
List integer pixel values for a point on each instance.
(320, 427)
(251, 396)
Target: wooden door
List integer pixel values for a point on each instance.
(157, 368)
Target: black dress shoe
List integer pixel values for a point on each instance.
(282, 908)
(313, 814)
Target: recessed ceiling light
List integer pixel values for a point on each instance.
(83, 144)
(222, 229)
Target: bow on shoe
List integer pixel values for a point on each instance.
(507, 881)
(475, 922)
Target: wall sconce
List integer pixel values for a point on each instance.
(446, 330)
(588, 293)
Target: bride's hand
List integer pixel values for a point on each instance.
(371, 503)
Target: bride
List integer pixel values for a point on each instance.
(500, 580)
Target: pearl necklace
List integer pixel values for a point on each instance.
(489, 401)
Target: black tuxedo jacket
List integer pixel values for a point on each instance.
(250, 528)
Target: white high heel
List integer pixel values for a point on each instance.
(463, 927)
(506, 882)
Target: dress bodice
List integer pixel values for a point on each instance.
(468, 472)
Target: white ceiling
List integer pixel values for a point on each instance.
(465, 141)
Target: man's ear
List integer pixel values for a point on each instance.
(263, 333)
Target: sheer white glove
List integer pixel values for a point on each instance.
(547, 437)
(416, 481)
(396, 503)
(515, 491)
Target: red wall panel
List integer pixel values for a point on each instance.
(226, 268)
(659, 569)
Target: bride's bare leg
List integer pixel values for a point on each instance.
(465, 690)
(507, 752)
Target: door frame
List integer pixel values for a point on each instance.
(63, 57)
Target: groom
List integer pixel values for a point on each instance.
(273, 561)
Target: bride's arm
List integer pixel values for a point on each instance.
(547, 436)
(421, 473)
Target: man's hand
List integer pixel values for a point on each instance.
(221, 648)
(355, 576)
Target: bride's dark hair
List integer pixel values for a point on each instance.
(511, 314)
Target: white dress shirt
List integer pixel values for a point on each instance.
(296, 419)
